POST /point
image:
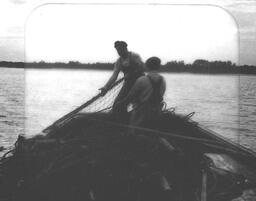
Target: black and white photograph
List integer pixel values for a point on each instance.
(128, 101)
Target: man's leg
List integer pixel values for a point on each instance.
(120, 111)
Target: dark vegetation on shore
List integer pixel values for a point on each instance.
(198, 66)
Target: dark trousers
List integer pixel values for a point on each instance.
(145, 115)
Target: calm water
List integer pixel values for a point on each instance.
(12, 115)
(225, 104)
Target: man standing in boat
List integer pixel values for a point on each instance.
(132, 67)
(146, 95)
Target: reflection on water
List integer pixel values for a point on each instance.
(247, 110)
(213, 98)
(49, 94)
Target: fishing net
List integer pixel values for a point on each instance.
(98, 103)
(83, 160)
(96, 159)
(105, 103)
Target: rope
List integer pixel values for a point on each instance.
(188, 116)
(209, 143)
(157, 132)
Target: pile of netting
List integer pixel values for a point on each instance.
(94, 158)
(88, 160)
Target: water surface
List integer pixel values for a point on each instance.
(222, 103)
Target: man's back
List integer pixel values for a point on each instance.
(146, 95)
(143, 88)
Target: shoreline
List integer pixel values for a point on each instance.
(110, 69)
(199, 66)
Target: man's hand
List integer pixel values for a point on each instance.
(103, 91)
(117, 107)
(118, 104)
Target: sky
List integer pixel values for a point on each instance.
(85, 33)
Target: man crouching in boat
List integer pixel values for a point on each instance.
(132, 67)
(146, 95)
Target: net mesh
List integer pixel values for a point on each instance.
(99, 103)
(104, 103)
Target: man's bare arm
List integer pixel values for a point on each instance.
(111, 80)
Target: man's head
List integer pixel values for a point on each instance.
(121, 48)
(153, 63)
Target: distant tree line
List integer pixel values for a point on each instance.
(10, 64)
(58, 65)
(209, 67)
(198, 66)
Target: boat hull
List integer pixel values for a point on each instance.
(96, 157)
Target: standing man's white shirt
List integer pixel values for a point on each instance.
(133, 60)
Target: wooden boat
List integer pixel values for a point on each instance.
(94, 156)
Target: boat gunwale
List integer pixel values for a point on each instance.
(227, 141)
(203, 130)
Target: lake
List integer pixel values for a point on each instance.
(32, 99)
